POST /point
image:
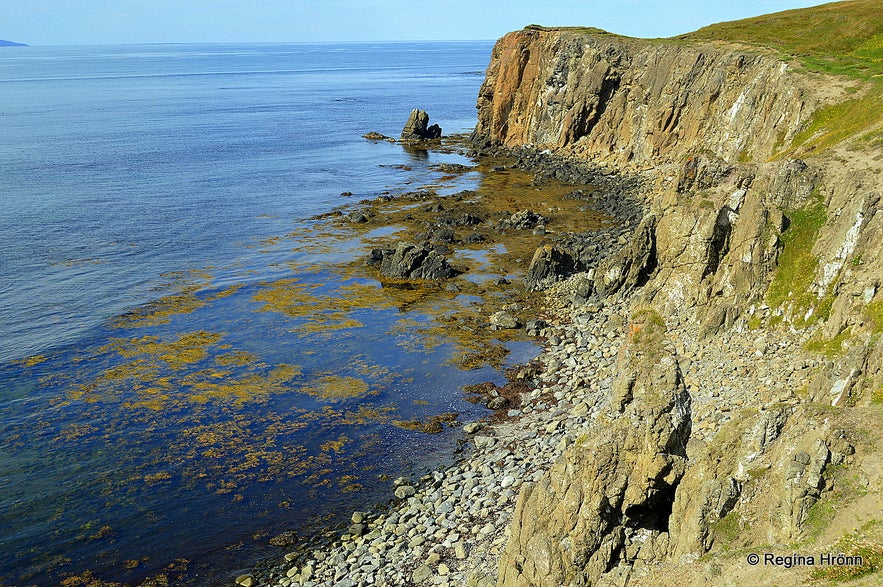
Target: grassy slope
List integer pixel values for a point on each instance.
(841, 39)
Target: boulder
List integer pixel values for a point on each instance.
(376, 136)
(503, 320)
(631, 266)
(417, 127)
(408, 261)
(526, 220)
(548, 264)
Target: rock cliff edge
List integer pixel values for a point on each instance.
(763, 220)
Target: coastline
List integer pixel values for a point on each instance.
(453, 526)
(449, 526)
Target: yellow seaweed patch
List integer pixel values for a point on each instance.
(154, 478)
(187, 349)
(431, 425)
(236, 359)
(328, 323)
(184, 301)
(348, 484)
(330, 311)
(366, 414)
(224, 293)
(160, 311)
(146, 373)
(333, 387)
(491, 354)
(74, 431)
(207, 385)
(335, 445)
(32, 360)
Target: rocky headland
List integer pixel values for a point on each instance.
(711, 384)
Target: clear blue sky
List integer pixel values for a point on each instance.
(79, 22)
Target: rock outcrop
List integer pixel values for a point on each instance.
(636, 102)
(549, 263)
(417, 127)
(744, 230)
(710, 128)
(608, 499)
(408, 261)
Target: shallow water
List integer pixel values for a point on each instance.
(189, 367)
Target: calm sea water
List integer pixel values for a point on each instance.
(163, 395)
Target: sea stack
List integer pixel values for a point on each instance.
(417, 129)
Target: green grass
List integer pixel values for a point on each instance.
(832, 124)
(874, 311)
(858, 543)
(648, 331)
(841, 38)
(797, 265)
(727, 529)
(830, 348)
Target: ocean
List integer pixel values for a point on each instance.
(186, 370)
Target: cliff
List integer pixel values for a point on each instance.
(636, 103)
(761, 175)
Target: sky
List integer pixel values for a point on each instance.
(98, 22)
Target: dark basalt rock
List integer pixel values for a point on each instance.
(408, 261)
(417, 127)
(525, 220)
(376, 136)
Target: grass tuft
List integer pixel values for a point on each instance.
(797, 265)
(853, 545)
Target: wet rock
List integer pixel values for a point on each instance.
(525, 220)
(417, 127)
(474, 238)
(497, 403)
(376, 136)
(409, 261)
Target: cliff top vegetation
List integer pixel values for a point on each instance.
(844, 38)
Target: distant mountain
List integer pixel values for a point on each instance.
(11, 44)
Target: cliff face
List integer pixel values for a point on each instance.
(708, 128)
(636, 102)
(738, 235)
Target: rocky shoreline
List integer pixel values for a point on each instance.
(710, 385)
(449, 526)
(452, 526)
